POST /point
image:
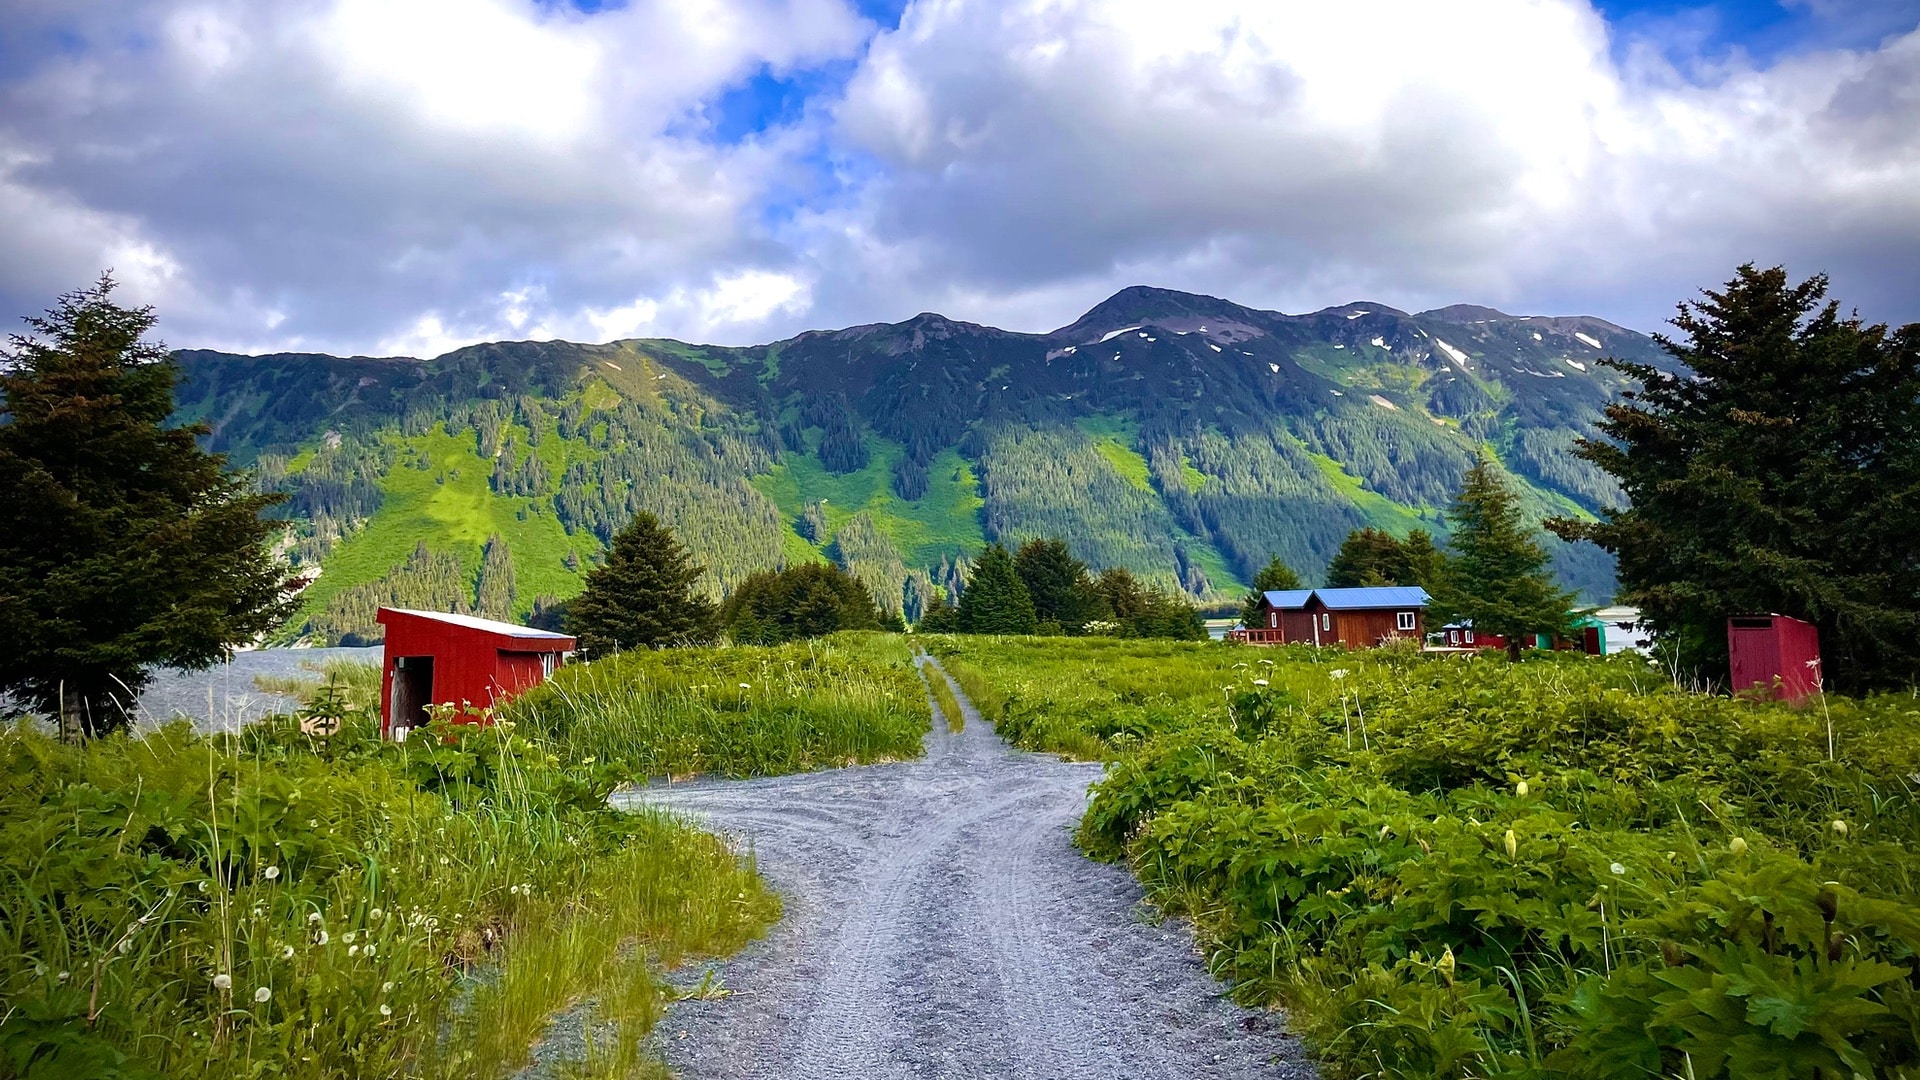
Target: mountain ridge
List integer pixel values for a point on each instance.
(1184, 436)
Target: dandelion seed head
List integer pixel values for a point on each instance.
(223, 982)
(386, 1010)
(271, 873)
(262, 994)
(1617, 868)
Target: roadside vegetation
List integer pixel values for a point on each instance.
(270, 903)
(1453, 868)
(735, 711)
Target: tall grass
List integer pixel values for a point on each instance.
(269, 904)
(736, 711)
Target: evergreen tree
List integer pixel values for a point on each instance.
(549, 613)
(1776, 471)
(809, 600)
(939, 617)
(996, 600)
(1276, 576)
(643, 596)
(1369, 557)
(1144, 612)
(1064, 597)
(123, 544)
(495, 591)
(1498, 577)
(1421, 563)
(1125, 596)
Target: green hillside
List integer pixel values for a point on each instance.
(1184, 437)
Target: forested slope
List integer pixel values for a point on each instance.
(1182, 436)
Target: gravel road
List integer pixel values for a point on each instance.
(940, 923)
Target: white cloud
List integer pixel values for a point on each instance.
(1303, 153)
(409, 175)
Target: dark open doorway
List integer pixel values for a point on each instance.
(412, 693)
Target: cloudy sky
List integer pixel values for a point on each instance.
(406, 176)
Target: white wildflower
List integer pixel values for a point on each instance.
(313, 917)
(369, 950)
(1337, 673)
(1617, 868)
(223, 982)
(322, 939)
(1520, 789)
(272, 873)
(261, 995)
(286, 952)
(386, 1010)
(353, 950)
(376, 915)
(386, 988)
(1840, 827)
(1259, 682)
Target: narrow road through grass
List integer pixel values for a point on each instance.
(939, 923)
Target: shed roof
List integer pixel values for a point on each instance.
(1289, 598)
(474, 622)
(1365, 599)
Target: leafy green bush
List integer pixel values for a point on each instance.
(1452, 868)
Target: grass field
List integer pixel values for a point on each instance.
(737, 711)
(269, 904)
(1468, 868)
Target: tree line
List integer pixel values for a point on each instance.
(1774, 471)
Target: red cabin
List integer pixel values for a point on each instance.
(433, 658)
(1774, 656)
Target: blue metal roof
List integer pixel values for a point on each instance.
(1390, 596)
(1288, 598)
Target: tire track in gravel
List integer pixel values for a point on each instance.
(940, 923)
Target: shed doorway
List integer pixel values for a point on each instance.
(412, 693)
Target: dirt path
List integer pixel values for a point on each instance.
(940, 923)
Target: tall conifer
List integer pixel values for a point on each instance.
(1776, 470)
(643, 596)
(1064, 597)
(1498, 577)
(996, 600)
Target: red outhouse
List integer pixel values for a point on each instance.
(1774, 656)
(433, 658)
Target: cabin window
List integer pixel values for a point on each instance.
(1273, 618)
(1469, 637)
(1403, 620)
(1326, 621)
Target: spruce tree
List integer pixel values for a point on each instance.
(996, 600)
(804, 601)
(1064, 597)
(643, 595)
(495, 592)
(1276, 576)
(1774, 470)
(939, 617)
(1498, 577)
(1367, 557)
(123, 544)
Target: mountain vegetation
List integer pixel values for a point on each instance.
(123, 543)
(1184, 438)
(644, 596)
(805, 601)
(1780, 475)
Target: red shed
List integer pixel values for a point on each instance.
(1774, 656)
(433, 658)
